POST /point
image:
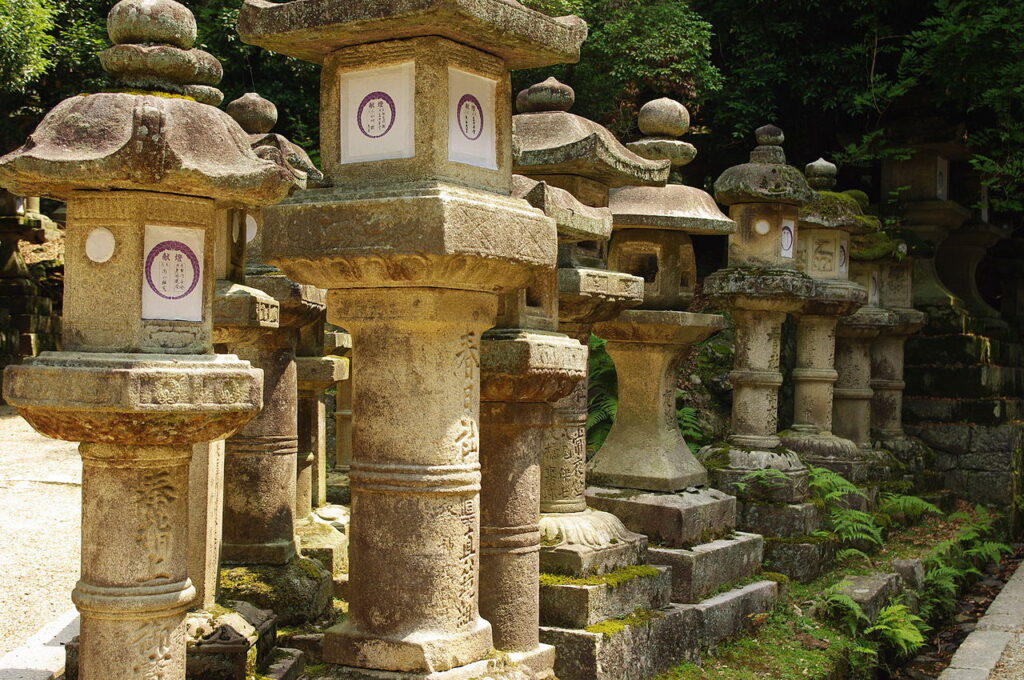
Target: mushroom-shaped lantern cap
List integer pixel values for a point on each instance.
(257, 116)
(548, 140)
(674, 206)
(164, 142)
(766, 178)
(829, 209)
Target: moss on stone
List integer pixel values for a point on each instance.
(612, 579)
(612, 627)
(716, 457)
(625, 493)
(297, 592)
(874, 246)
(808, 538)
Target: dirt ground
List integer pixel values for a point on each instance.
(40, 508)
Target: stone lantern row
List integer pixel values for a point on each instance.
(469, 294)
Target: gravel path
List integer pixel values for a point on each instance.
(40, 508)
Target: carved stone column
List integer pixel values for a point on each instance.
(415, 241)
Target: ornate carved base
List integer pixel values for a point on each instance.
(588, 542)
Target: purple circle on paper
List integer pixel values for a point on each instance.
(787, 238)
(176, 246)
(376, 101)
(474, 114)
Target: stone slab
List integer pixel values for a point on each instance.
(729, 614)
(287, 664)
(42, 656)
(579, 606)
(637, 651)
(682, 519)
(801, 560)
(787, 520)
(872, 591)
(703, 569)
(980, 651)
(514, 666)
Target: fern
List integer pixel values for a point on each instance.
(851, 526)
(908, 509)
(898, 630)
(988, 551)
(851, 553)
(843, 610)
(831, 487)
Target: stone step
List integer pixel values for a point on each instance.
(287, 664)
(699, 571)
(779, 519)
(580, 602)
(729, 614)
(872, 591)
(988, 410)
(801, 558)
(966, 382)
(678, 520)
(647, 643)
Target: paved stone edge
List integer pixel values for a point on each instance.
(981, 651)
(42, 655)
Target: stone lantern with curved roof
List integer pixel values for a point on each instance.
(143, 170)
(416, 239)
(823, 253)
(569, 152)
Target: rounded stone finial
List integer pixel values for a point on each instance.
(821, 175)
(257, 115)
(152, 21)
(770, 135)
(551, 95)
(152, 51)
(665, 117)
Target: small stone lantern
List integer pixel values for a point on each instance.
(137, 381)
(851, 406)
(760, 286)
(575, 154)
(823, 253)
(415, 242)
(896, 295)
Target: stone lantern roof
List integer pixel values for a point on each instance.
(766, 178)
(159, 133)
(673, 206)
(831, 209)
(257, 116)
(551, 141)
(313, 29)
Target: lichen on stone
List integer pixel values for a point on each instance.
(612, 627)
(612, 579)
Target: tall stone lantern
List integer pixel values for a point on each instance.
(896, 295)
(575, 154)
(760, 286)
(823, 253)
(137, 382)
(415, 242)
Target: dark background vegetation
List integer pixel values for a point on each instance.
(853, 80)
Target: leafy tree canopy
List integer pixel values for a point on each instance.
(853, 79)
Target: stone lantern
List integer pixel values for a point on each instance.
(525, 368)
(851, 405)
(645, 451)
(896, 295)
(760, 286)
(32, 325)
(415, 242)
(823, 253)
(137, 381)
(260, 472)
(575, 154)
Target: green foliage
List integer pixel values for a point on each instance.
(905, 509)
(764, 478)
(852, 527)
(842, 609)
(602, 394)
(855, 526)
(637, 50)
(689, 425)
(898, 631)
(830, 488)
(24, 41)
